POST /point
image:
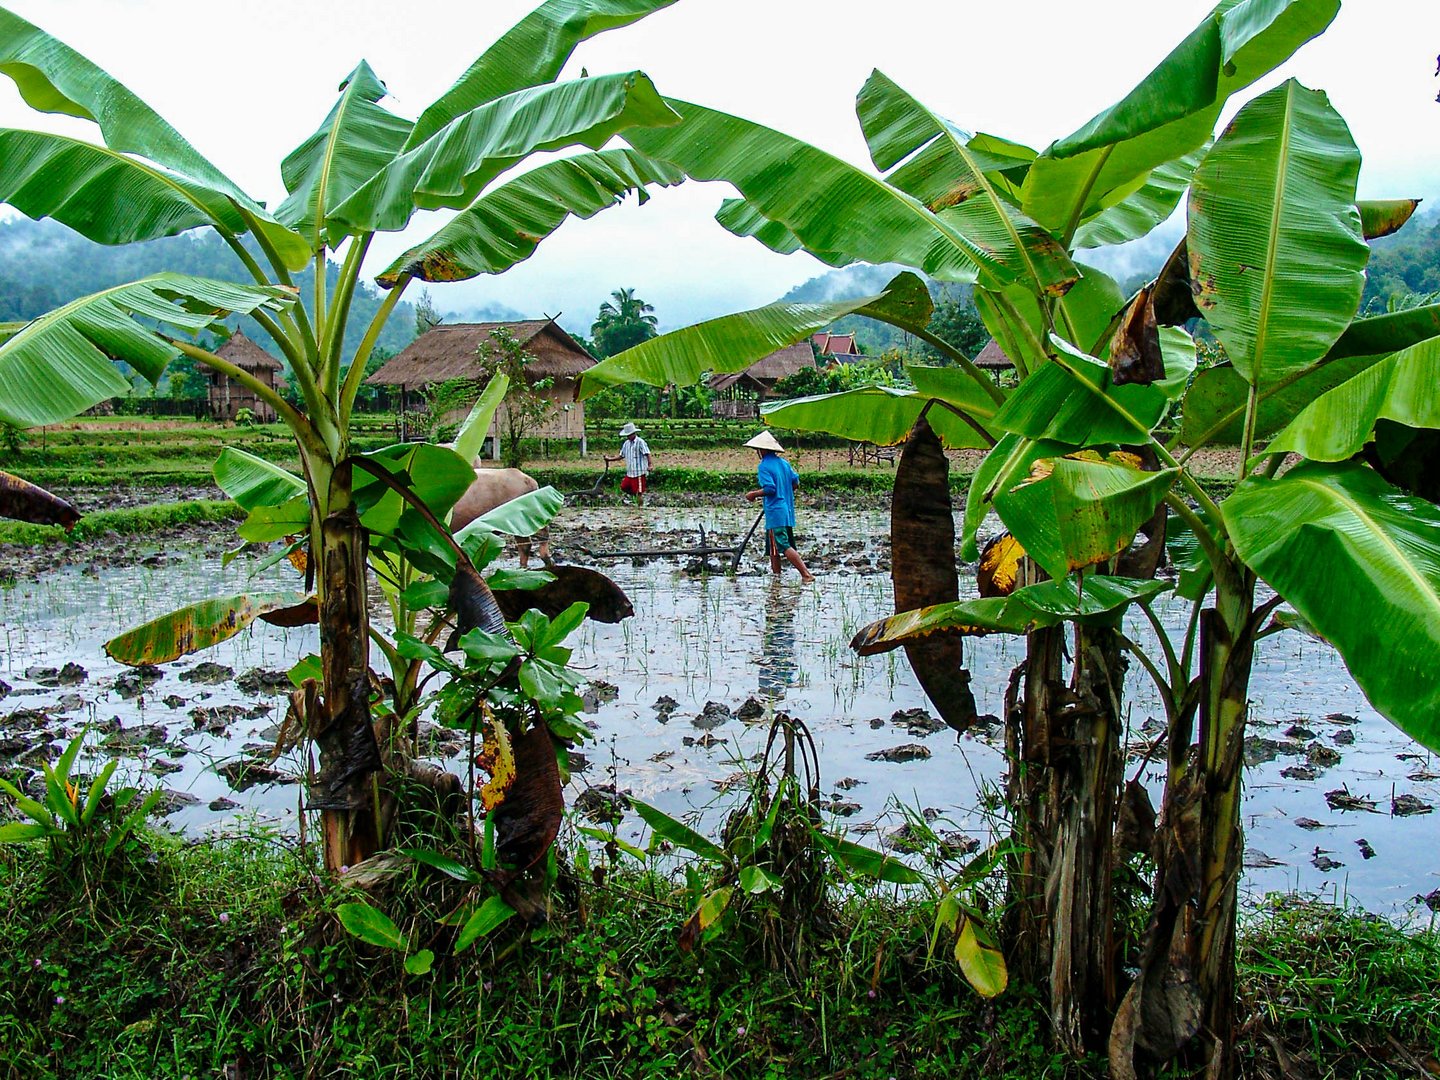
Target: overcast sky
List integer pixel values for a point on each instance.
(246, 82)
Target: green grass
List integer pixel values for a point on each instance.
(208, 955)
(134, 520)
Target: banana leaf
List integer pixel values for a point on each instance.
(505, 226)
(742, 219)
(194, 627)
(63, 362)
(881, 415)
(1384, 217)
(454, 165)
(734, 342)
(1360, 562)
(252, 481)
(1073, 512)
(1275, 247)
(1122, 219)
(531, 52)
(1081, 316)
(1404, 387)
(1008, 463)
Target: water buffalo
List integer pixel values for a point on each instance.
(491, 488)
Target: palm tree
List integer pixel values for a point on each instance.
(622, 324)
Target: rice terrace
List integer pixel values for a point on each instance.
(1012, 652)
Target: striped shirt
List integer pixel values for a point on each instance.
(636, 453)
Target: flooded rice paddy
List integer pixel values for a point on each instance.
(680, 698)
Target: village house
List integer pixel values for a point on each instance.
(451, 351)
(738, 394)
(228, 397)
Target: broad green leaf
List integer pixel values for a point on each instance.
(437, 475)
(63, 362)
(488, 917)
(1274, 241)
(419, 963)
(756, 880)
(896, 126)
(97, 791)
(1404, 388)
(471, 436)
(28, 805)
(252, 481)
(955, 386)
(356, 140)
(1015, 319)
(678, 833)
(1177, 348)
(444, 863)
(104, 195)
(266, 523)
(524, 516)
(982, 965)
(1193, 573)
(1172, 111)
(17, 831)
(1073, 400)
(828, 204)
(194, 627)
(1005, 466)
(453, 166)
(734, 342)
(566, 623)
(1360, 562)
(713, 907)
(1095, 600)
(871, 863)
(742, 219)
(877, 414)
(531, 52)
(1072, 513)
(505, 226)
(1129, 215)
(307, 668)
(372, 926)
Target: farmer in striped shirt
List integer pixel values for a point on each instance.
(635, 452)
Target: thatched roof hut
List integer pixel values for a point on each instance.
(452, 351)
(761, 376)
(993, 358)
(228, 397)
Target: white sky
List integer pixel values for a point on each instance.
(247, 81)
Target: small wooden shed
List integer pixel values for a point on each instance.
(737, 394)
(228, 397)
(451, 351)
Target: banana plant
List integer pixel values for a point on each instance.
(1275, 251)
(1011, 220)
(364, 170)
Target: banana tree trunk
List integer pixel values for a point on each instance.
(1064, 787)
(1183, 1001)
(344, 789)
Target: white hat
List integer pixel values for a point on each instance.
(766, 441)
(629, 429)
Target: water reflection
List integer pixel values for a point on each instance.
(777, 665)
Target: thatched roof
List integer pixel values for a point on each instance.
(450, 352)
(993, 358)
(769, 370)
(246, 355)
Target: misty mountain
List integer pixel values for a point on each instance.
(44, 264)
(867, 279)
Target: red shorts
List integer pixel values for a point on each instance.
(632, 485)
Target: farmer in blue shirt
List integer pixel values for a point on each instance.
(778, 480)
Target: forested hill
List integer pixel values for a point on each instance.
(1407, 263)
(43, 265)
(864, 279)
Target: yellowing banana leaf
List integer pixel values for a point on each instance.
(1074, 400)
(881, 415)
(1274, 241)
(252, 481)
(504, 226)
(734, 342)
(454, 165)
(356, 140)
(1005, 466)
(827, 203)
(1072, 513)
(1360, 562)
(896, 126)
(1404, 388)
(1171, 112)
(531, 52)
(983, 965)
(998, 573)
(195, 627)
(64, 362)
(21, 500)
(1383, 217)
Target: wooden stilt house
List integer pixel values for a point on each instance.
(738, 395)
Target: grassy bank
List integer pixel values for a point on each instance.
(198, 958)
(137, 520)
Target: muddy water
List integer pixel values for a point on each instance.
(716, 646)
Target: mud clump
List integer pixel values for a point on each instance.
(242, 775)
(135, 682)
(1298, 772)
(1260, 750)
(222, 804)
(1308, 823)
(208, 674)
(70, 675)
(1321, 757)
(1366, 851)
(132, 740)
(1295, 731)
(750, 710)
(917, 722)
(1407, 805)
(1344, 737)
(1341, 799)
(839, 807)
(846, 783)
(901, 754)
(665, 707)
(603, 804)
(264, 681)
(714, 715)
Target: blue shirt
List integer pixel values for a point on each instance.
(778, 480)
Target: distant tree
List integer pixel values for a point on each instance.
(525, 406)
(186, 381)
(624, 322)
(956, 322)
(426, 317)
